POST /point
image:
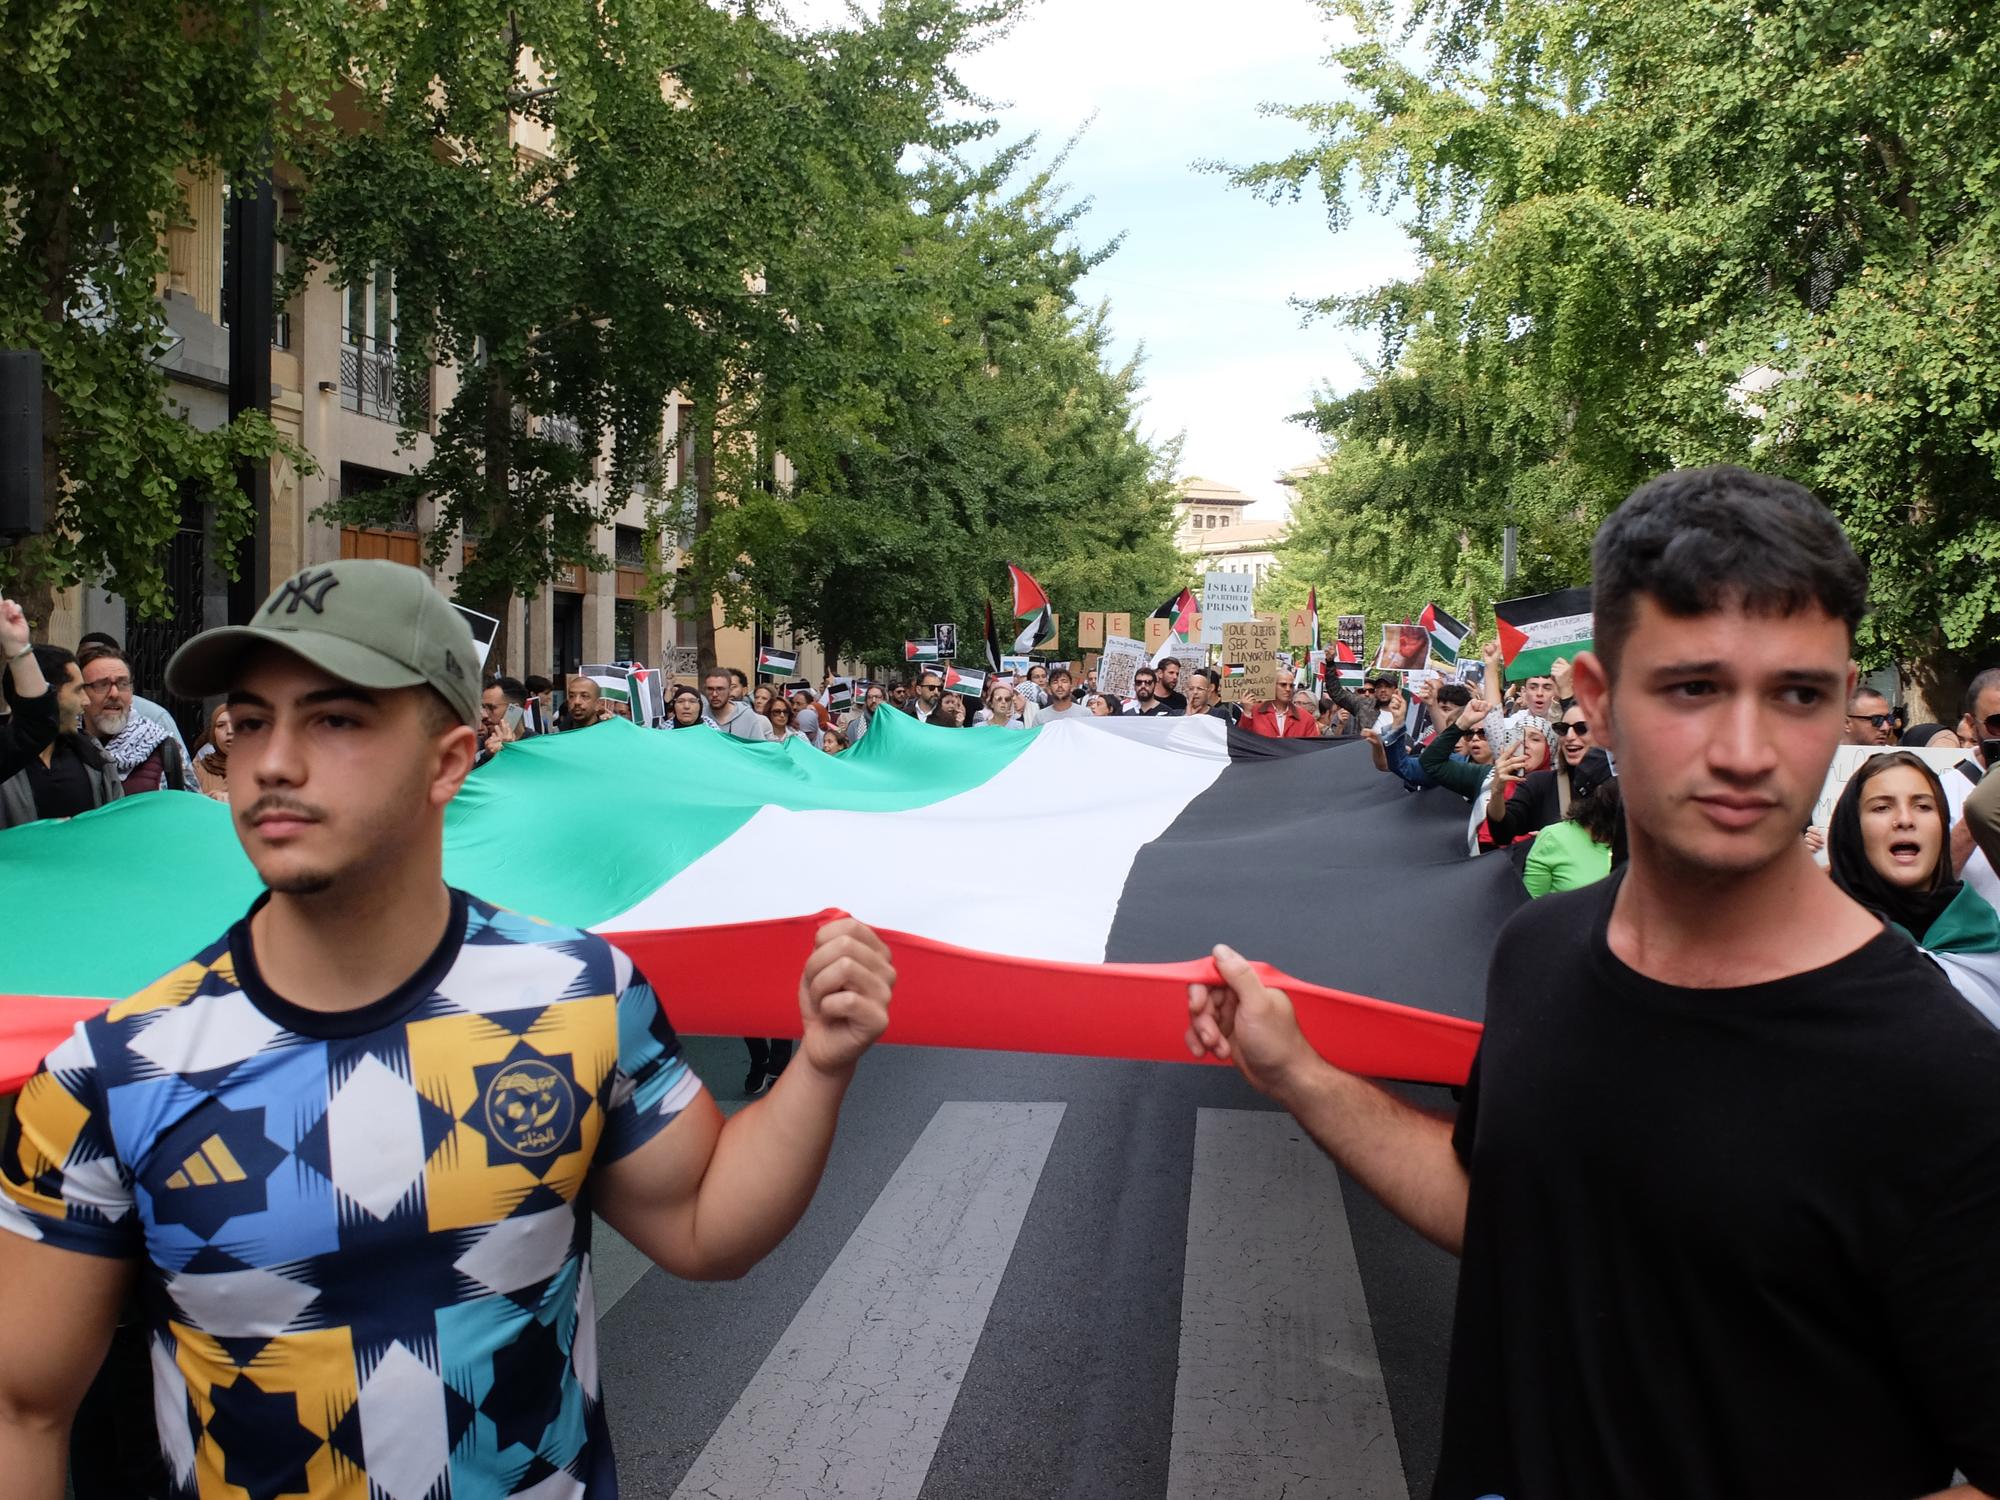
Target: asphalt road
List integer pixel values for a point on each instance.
(987, 1300)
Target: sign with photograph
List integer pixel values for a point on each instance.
(1405, 648)
(1352, 632)
(946, 637)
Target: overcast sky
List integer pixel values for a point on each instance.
(1203, 276)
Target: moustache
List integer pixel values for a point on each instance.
(271, 803)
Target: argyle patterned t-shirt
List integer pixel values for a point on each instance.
(365, 1237)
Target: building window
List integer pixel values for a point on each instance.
(625, 630)
(395, 536)
(368, 349)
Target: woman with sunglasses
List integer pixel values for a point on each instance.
(1544, 794)
(1889, 847)
(779, 712)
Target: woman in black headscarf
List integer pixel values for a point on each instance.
(1888, 845)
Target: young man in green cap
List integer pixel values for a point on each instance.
(351, 1148)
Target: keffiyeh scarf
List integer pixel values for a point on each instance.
(128, 749)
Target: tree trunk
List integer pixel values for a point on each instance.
(499, 469)
(1936, 685)
(48, 236)
(704, 512)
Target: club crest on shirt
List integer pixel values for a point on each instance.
(530, 1106)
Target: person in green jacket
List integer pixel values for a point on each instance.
(1577, 851)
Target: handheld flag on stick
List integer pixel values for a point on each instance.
(1312, 606)
(1349, 670)
(1032, 605)
(992, 641)
(964, 681)
(1179, 612)
(1447, 635)
(771, 662)
(1536, 630)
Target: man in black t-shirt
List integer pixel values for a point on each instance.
(1726, 1180)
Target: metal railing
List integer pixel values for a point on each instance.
(368, 384)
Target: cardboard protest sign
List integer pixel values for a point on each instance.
(1847, 760)
(1253, 645)
(1405, 648)
(1225, 597)
(1299, 628)
(1117, 625)
(1352, 632)
(485, 628)
(1090, 629)
(1157, 631)
(1119, 666)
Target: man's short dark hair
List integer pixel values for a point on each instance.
(515, 689)
(1063, 673)
(538, 684)
(718, 672)
(55, 664)
(1699, 540)
(1454, 694)
(99, 638)
(101, 649)
(1168, 661)
(1865, 691)
(739, 675)
(1982, 682)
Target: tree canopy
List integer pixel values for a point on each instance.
(1651, 236)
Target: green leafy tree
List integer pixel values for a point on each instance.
(1657, 235)
(105, 108)
(981, 422)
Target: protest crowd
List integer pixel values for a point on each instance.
(1912, 835)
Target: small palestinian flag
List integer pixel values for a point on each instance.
(840, 693)
(1536, 630)
(1233, 671)
(1349, 670)
(771, 662)
(920, 651)
(1312, 606)
(965, 681)
(1446, 635)
(1031, 604)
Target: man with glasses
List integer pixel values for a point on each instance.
(1143, 702)
(146, 757)
(1868, 719)
(929, 687)
(142, 706)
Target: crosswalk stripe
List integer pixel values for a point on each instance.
(1280, 1387)
(853, 1399)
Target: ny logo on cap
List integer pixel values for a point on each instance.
(308, 589)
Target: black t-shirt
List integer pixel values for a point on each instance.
(1723, 1243)
(64, 787)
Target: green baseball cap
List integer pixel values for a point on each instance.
(373, 623)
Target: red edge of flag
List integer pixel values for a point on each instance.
(946, 996)
(1512, 639)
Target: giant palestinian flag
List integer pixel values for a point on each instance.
(1133, 846)
(1536, 630)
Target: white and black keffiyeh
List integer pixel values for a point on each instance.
(128, 749)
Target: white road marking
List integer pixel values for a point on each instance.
(1280, 1387)
(854, 1397)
